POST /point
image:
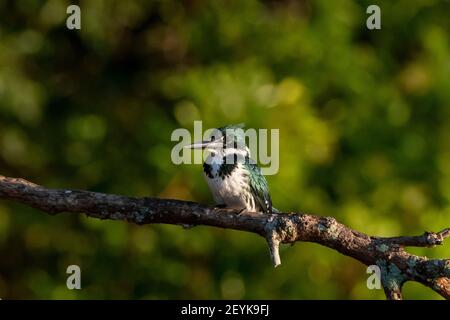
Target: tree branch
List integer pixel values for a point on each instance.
(397, 266)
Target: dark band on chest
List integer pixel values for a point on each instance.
(226, 168)
(207, 169)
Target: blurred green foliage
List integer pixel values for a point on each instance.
(364, 119)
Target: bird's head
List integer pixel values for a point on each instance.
(224, 140)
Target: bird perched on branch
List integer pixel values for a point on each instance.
(234, 179)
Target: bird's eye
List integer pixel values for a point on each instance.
(213, 138)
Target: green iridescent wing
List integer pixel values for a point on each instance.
(259, 187)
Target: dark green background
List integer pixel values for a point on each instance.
(364, 129)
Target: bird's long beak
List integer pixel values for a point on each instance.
(198, 145)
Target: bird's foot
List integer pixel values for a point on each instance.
(243, 210)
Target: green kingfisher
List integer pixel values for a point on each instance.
(235, 181)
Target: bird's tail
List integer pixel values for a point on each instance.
(275, 210)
